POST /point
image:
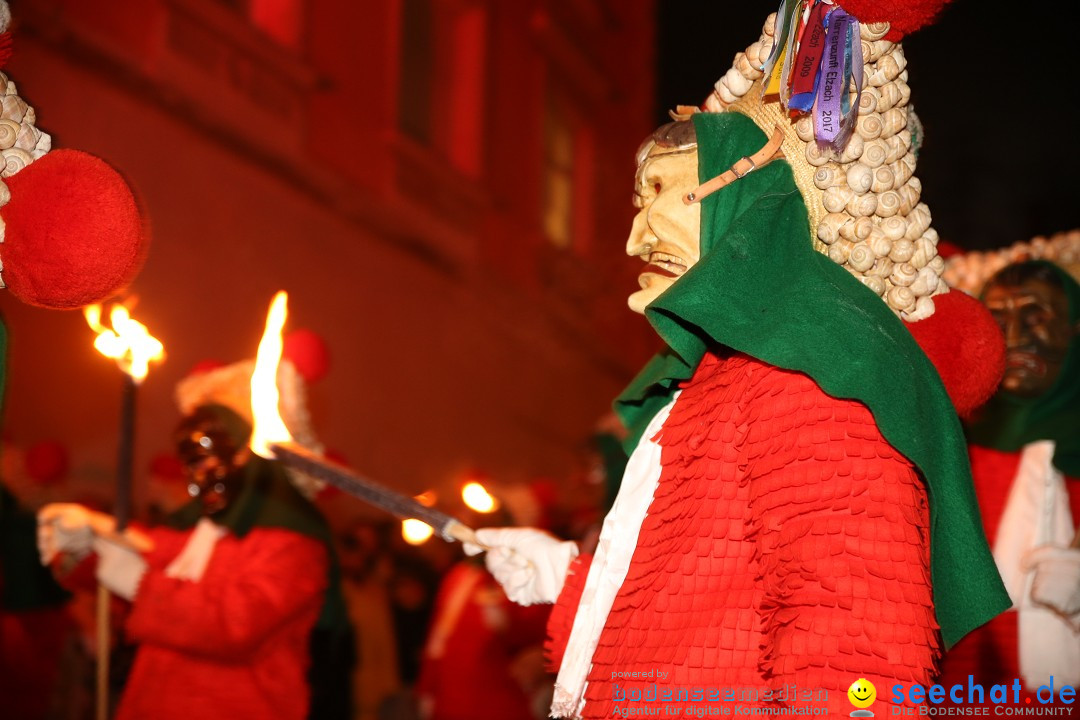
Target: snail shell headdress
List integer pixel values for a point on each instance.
(970, 271)
(848, 136)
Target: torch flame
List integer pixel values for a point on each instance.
(268, 427)
(128, 342)
(478, 498)
(416, 532)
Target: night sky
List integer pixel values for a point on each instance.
(995, 90)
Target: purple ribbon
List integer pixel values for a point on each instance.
(834, 114)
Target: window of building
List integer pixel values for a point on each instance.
(281, 20)
(443, 79)
(567, 200)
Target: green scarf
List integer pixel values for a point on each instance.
(761, 289)
(1009, 422)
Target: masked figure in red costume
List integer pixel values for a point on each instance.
(797, 511)
(1025, 459)
(224, 604)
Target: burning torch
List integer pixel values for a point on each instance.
(271, 439)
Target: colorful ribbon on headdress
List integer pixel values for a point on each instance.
(807, 66)
(816, 54)
(834, 113)
(786, 35)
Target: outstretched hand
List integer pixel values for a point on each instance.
(530, 564)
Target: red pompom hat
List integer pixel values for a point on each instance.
(904, 16)
(71, 229)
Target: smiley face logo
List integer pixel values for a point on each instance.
(862, 694)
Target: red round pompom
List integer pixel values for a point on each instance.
(904, 16)
(74, 235)
(167, 466)
(308, 354)
(966, 346)
(46, 462)
(947, 249)
(205, 366)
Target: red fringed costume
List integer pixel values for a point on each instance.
(234, 645)
(785, 545)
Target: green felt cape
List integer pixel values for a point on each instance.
(1009, 422)
(761, 289)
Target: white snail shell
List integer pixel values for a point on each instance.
(893, 121)
(745, 67)
(924, 251)
(828, 176)
(888, 96)
(910, 193)
(5, 196)
(904, 88)
(868, 101)
(828, 230)
(15, 159)
(874, 50)
(804, 128)
(770, 25)
(854, 149)
(874, 30)
(881, 245)
(903, 274)
(882, 268)
(737, 82)
(862, 205)
(888, 203)
(861, 258)
(817, 155)
(766, 48)
(9, 133)
(863, 227)
(937, 264)
(44, 145)
(895, 228)
(839, 251)
(874, 283)
(714, 103)
(869, 127)
(875, 153)
(918, 221)
(860, 177)
(724, 92)
(836, 198)
(12, 107)
(882, 180)
(903, 168)
(924, 308)
(926, 282)
(898, 146)
(753, 55)
(902, 251)
(886, 71)
(27, 138)
(900, 298)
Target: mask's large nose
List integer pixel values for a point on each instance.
(641, 240)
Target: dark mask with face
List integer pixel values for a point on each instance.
(212, 444)
(1037, 304)
(1030, 305)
